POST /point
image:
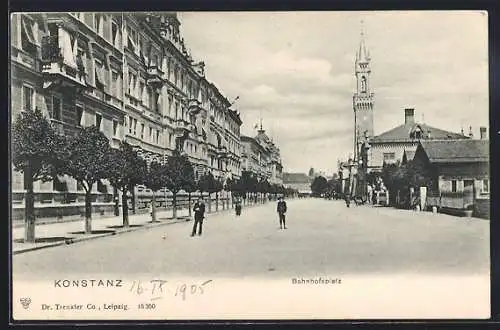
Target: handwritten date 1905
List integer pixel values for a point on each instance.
(156, 289)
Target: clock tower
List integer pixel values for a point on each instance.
(363, 97)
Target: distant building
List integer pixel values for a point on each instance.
(298, 181)
(389, 146)
(261, 157)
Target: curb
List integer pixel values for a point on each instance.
(69, 241)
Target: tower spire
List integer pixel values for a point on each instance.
(363, 55)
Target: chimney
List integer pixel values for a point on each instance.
(471, 135)
(482, 132)
(409, 116)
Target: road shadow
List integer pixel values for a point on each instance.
(122, 226)
(53, 239)
(94, 232)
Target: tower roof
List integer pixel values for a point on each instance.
(363, 55)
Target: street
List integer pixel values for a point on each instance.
(323, 237)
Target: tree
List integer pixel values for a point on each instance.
(37, 151)
(127, 168)
(245, 184)
(229, 186)
(155, 179)
(89, 160)
(216, 188)
(179, 171)
(190, 186)
(318, 186)
(206, 184)
(311, 172)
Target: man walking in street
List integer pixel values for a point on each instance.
(281, 212)
(199, 215)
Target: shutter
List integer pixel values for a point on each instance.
(88, 18)
(106, 22)
(15, 28)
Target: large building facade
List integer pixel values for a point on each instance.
(261, 157)
(131, 75)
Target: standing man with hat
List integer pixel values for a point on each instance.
(199, 215)
(281, 209)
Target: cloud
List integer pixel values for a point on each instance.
(296, 71)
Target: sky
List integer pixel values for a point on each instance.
(295, 70)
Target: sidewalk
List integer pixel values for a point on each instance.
(61, 233)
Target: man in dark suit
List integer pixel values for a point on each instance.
(199, 215)
(281, 212)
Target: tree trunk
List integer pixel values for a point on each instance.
(125, 208)
(116, 199)
(153, 208)
(216, 201)
(29, 207)
(132, 192)
(209, 202)
(88, 210)
(189, 204)
(174, 205)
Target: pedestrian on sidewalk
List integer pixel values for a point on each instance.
(281, 212)
(199, 215)
(237, 207)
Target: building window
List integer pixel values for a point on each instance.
(170, 139)
(79, 115)
(485, 186)
(157, 137)
(114, 84)
(101, 187)
(115, 34)
(389, 156)
(141, 92)
(115, 128)
(99, 75)
(135, 127)
(28, 97)
(28, 35)
(142, 131)
(99, 24)
(151, 134)
(132, 39)
(56, 108)
(98, 120)
(453, 185)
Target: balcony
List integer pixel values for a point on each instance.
(59, 71)
(182, 127)
(154, 77)
(222, 152)
(193, 107)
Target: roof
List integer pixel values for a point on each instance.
(295, 178)
(456, 151)
(401, 133)
(408, 155)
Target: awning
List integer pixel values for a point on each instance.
(99, 76)
(28, 31)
